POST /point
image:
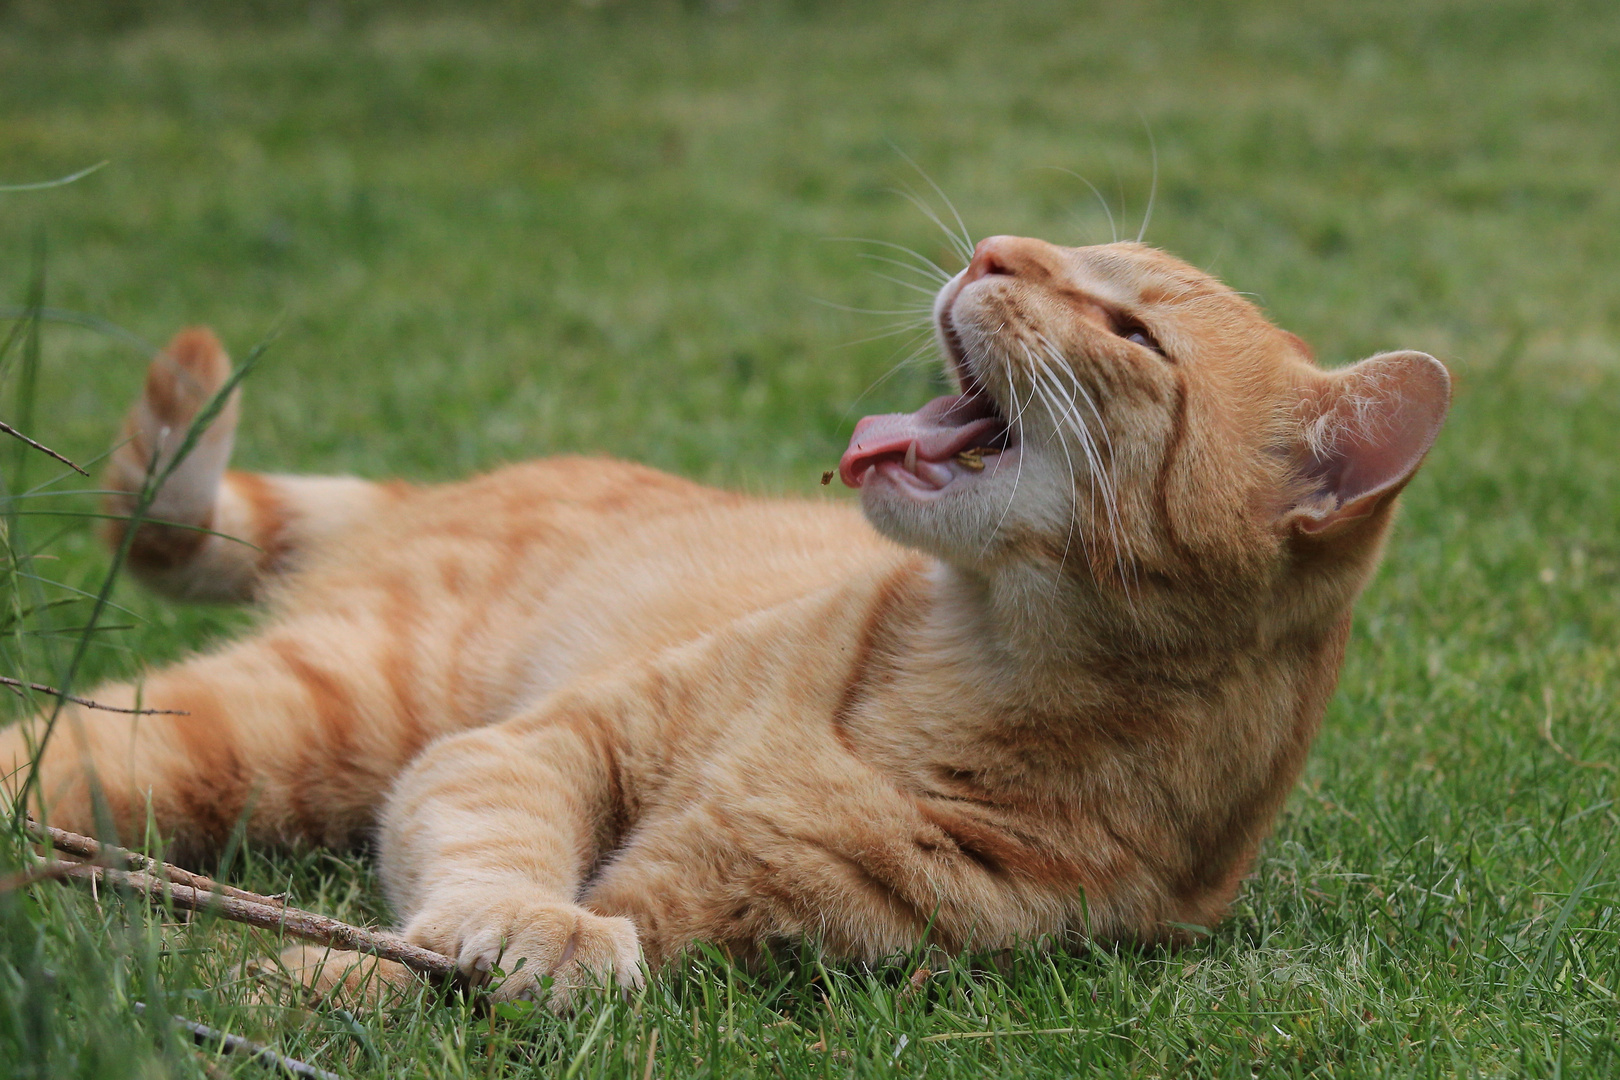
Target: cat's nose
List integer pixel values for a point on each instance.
(1012, 256)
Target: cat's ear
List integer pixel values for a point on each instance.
(1363, 436)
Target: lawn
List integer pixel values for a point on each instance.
(621, 228)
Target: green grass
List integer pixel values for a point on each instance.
(490, 237)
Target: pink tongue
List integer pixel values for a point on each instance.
(941, 429)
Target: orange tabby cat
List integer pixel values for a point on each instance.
(1059, 685)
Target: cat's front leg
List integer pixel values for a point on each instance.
(487, 840)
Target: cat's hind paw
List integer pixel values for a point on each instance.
(332, 977)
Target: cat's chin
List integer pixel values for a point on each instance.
(957, 522)
(939, 478)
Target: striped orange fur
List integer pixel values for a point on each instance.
(1057, 682)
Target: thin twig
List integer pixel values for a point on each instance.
(14, 433)
(50, 872)
(86, 702)
(269, 915)
(160, 882)
(225, 1043)
(94, 850)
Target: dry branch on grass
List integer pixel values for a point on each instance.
(160, 882)
(14, 433)
(94, 850)
(223, 1042)
(18, 684)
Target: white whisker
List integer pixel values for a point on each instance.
(1074, 494)
(1220, 249)
(927, 265)
(1106, 482)
(1119, 188)
(918, 351)
(1096, 474)
(1153, 189)
(935, 274)
(912, 325)
(967, 367)
(930, 293)
(918, 311)
(965, 253)
(967, 237)
(1113, 230)
(1057, 357)
(1016, 424)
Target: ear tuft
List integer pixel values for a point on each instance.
(1364, 436)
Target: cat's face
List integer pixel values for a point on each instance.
(1125, 416)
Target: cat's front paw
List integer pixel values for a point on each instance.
(529, 941)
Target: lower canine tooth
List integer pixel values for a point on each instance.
(911, 458)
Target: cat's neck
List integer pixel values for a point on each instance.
(1036, 641)
(1004, 679)
(962, 655)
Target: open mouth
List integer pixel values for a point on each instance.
(947, 440)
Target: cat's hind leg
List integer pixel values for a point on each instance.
(293, 735)
(209, 533)
(319, 976)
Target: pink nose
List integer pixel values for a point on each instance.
(1014, 256)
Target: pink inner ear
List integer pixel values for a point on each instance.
(1377, 420)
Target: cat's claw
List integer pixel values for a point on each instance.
(531, 941)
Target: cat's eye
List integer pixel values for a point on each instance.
(1138, 335)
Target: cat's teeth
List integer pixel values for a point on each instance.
(911, 458)
(973, 460)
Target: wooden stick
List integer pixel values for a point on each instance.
(225, 1043)
(294, 922)
(86, 847)
(86, 702)
(9, 430)
(193, 892)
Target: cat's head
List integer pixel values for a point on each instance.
(1130, 424)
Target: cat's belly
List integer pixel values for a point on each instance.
(650, 589)
(515, 584)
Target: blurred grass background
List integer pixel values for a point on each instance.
(494, 231)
